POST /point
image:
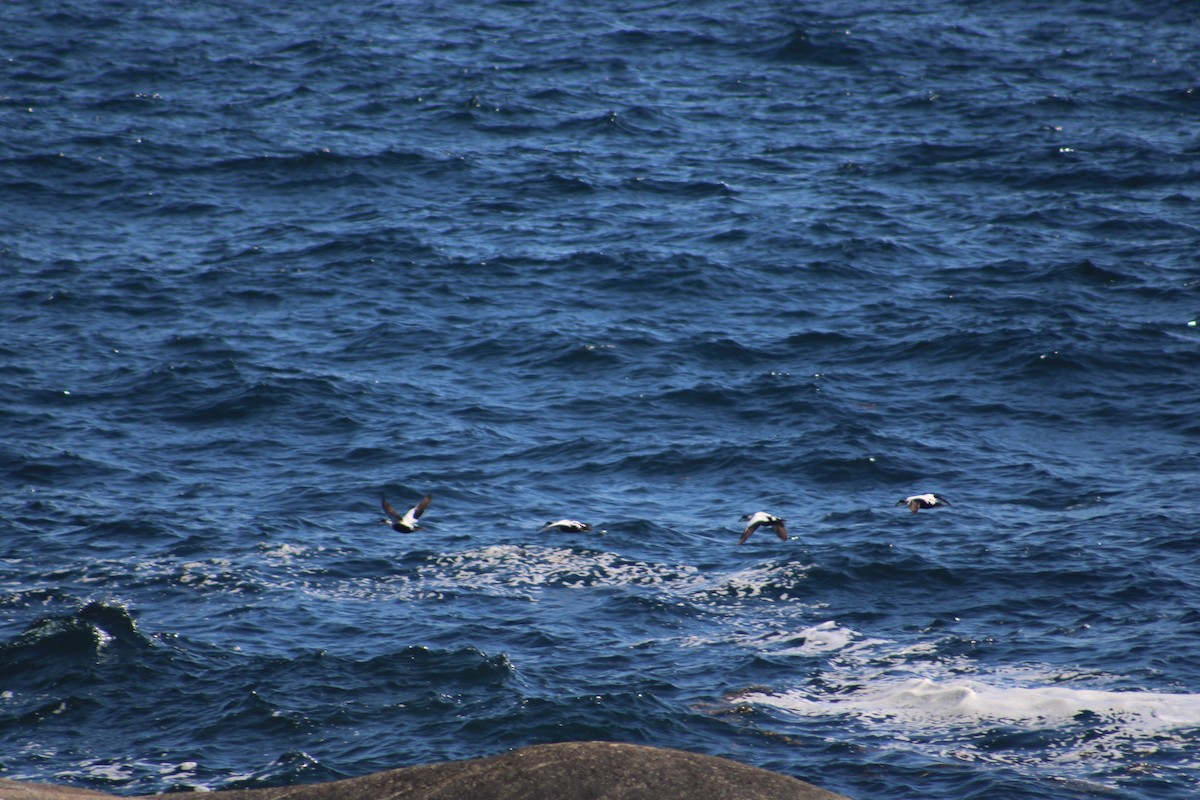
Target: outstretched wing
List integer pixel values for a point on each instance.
(420, 507)
(750, 529)
(781, 531)
(391, 511)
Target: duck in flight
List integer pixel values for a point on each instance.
(566, 526)
(919, 501)
(760, 519)
(406, 522)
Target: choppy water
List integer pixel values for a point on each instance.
(650, 265)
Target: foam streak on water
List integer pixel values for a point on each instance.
(653, 266)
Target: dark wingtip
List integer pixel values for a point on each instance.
(387, 508)
(420, 507)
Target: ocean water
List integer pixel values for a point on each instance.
(651, 265)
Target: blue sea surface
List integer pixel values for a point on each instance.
(651, 265)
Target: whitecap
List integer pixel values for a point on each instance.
(1052, 730)
(922, 702)
(516, 566)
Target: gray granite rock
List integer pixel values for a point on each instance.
(577, 770)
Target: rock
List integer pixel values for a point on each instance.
(19, 790)
(582, 770)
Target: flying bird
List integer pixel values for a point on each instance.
(919, 501)
(406, 523)
(566, 526)
(761, 519)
